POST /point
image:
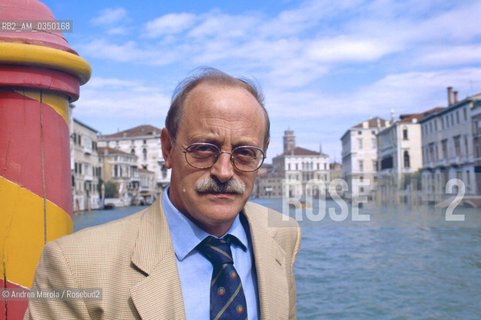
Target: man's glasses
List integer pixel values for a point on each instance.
(204, 155)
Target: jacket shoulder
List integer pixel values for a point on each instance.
(99, 246)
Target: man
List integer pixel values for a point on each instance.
(158, 263)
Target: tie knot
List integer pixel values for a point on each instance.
(217, 251)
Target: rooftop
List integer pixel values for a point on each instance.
(298, 151)
(411, 116)
(139, 131)
(107, 151)
(373, 123)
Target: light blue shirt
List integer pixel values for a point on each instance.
(195, 271)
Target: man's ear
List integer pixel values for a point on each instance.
(266, 146)
(167, 146)
(265, 153)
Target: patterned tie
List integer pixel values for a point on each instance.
(227, 300)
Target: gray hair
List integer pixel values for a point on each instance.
(214, 76)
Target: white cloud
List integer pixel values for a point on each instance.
(218, 25)
(110, 16)
(169, 24)
(123, 101)
(105, 49)
(345, 49)
(460, 23)
(99, 82)
(450, 56)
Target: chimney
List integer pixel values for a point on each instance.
(450, 91)
(455, 94)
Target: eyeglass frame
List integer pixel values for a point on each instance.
(231, 153)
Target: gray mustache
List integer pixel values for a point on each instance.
(210, 185)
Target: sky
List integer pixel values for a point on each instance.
(324, 66)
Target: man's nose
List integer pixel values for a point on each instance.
(223, 168)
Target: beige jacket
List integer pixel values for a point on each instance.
(133, 261)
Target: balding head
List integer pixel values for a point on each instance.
(216, 78)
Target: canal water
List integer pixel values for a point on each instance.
(390, 263)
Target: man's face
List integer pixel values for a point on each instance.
(228, 117)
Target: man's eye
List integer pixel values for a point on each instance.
(246, 152)
(203, 149)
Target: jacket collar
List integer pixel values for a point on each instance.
(159, 295)
(270, 262)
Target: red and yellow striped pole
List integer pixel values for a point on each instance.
(39, 75)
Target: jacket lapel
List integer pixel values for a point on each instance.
(270, 266)
(158, 295)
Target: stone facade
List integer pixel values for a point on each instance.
(143, 142)
(447, 148)
(400, 160)
(85, 166)
(359, 159)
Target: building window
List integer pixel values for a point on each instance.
(457, 146)
(444, 148)
(132, 151)
(373, 143)
(359, 132)
(405, 133)
(406, 159)
(361, 165)
(465, 113)
(468, 180)
(144, 153)
(359, 141)
(466, 146)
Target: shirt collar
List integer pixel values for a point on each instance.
(186, 235)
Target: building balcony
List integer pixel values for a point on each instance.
(442, 163)
(88, 177)
(428, 165)
(87, 149)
